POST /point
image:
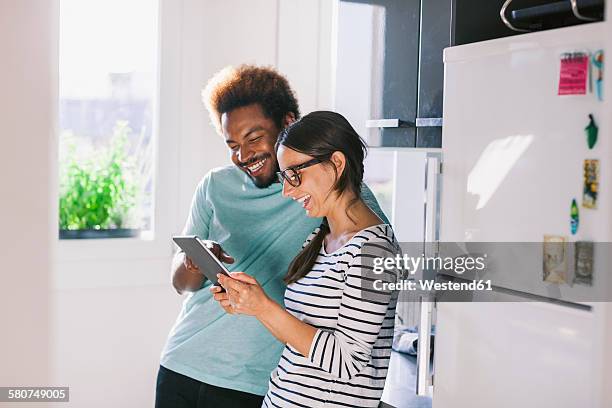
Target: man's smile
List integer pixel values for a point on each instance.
(254, 169)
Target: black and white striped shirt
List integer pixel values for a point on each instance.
(349, 356)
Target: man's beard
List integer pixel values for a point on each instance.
(261, 181)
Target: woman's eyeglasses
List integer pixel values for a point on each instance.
(292, 174)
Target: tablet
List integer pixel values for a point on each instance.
(196, 250)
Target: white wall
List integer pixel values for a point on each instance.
(113, 310)
(216, 34)
(293, 35)
(28, 78)
(305, 50)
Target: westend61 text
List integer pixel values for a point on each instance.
(431, 285)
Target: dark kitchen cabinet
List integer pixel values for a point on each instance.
(389, 69)
(389, 65)
(435, 35)
(478, 20)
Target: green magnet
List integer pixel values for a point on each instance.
(597, 62)
(591, 132)
(574, 217)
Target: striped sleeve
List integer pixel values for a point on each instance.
(346, 350)
(311, 237)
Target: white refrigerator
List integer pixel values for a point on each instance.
(513, 152)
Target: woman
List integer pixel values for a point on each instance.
(337, 329)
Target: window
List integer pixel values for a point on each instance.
(379, 170)
(108, 84)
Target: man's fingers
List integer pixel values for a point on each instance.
(216, 249)
(190, 265)
(226, 258)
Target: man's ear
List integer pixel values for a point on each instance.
(339, 161)
(289, 119)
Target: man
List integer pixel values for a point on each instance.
(212, 358)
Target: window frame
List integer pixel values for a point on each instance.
(154, 245)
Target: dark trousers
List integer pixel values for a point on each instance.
(175, 390)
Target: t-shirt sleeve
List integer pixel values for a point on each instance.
(346, 350)
(200, 212)
(311, 237)
(369, 198)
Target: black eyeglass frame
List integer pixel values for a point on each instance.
(282, 175)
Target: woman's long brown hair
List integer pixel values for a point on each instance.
(320, 134)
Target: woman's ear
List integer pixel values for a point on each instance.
(339, 161)
(289, 119)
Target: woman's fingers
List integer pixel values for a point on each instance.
(234, 297)
(244, 294)
(230, 299)
(230, 283)
(243, 277)
(223, 299)
(222, 296)
(227, 306)
(225, 303)
(218, 292)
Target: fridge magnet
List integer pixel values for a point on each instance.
(574, 217)
(597, 61)
(591, 132)
(591, 183)
(574, 73)
(555, 259)
(584, 263)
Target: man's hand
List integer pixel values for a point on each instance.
(188, 263)
(216, 249)
(186, 276)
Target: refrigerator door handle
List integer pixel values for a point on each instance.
(502, 14)
(432, 196)
(423, 380)
(424, 386)
(576, 12)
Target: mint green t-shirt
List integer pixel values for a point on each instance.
(263, 231)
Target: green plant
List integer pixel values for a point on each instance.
(99, 190)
